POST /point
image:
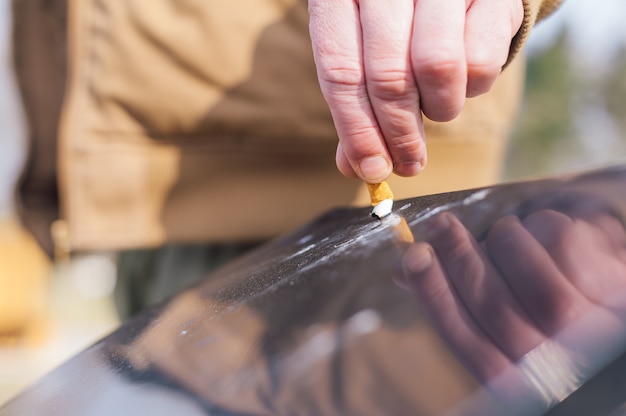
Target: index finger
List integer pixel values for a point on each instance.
(338, 51)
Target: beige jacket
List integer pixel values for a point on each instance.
(188, 122)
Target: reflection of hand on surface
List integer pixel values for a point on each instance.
(497, 300)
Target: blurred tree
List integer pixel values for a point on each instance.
(574, 113)
(544, 128)
(614, 91)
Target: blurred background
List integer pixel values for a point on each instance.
(68, 305)
(573, 119)
(574, 113)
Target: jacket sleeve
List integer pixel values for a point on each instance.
(534, 11)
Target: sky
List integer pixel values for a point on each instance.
(597, 29)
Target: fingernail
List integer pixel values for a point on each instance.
(417, 258)
(375, 169)
(409, 169)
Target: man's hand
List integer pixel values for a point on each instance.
(382, 63)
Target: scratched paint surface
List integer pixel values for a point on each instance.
(309, 324)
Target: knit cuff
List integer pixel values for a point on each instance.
(534, 11)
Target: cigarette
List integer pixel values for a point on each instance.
(382, 201)
(381, 198)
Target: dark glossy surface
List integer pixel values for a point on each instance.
(313, 324)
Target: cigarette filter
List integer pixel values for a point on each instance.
(381, 198)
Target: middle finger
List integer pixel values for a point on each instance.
(391, 88)
(484, 293)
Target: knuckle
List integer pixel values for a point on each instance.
(484, 66)
(458, 241)
(408, 145)
(441, 64)
(435, 289)
(390, 84)
(401, 111)
(441, 79)
(461, 247)
(360, 143)
(341, 76)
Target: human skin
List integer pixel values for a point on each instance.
(495, 301)
(381, 64)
